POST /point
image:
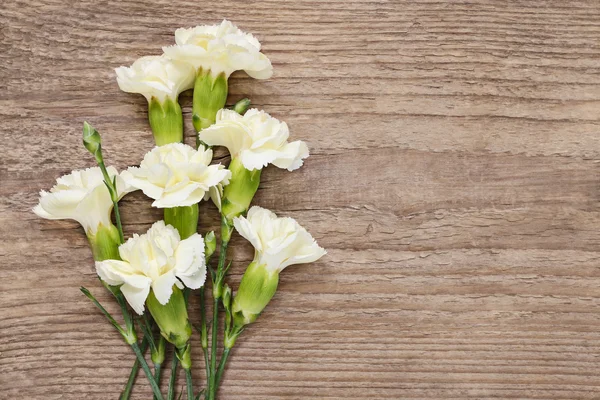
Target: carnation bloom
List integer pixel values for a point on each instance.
(220, 49)
(256, 138)
(156, 260)
(176, 175)
(278, 243)
(83, 197)
(156, 77)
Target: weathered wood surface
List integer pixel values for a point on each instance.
(454, 180)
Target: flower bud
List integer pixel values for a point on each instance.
(92, 141)
(242, 106)
(256, 289)
(171, 318)
(210, 244)
(184, 355)
(166, 121)
(238, 194)
(210, 94)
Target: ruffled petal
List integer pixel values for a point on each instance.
(163, 287)
(190, 264)
(136, 297)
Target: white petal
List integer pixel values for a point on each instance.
(156, 76)
(163, 287)
(80, 195)
(190, 263)
(227, 134)
(292, 155)
(176, 175)
(279, 242)
(245, 229)
(136, 297)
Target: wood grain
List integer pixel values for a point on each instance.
(454, 180)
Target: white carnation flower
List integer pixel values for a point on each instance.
(278, 242)
(221, 49)
(156, 76)
(83, 197)
(256, 138)
(176, 175)
(156, 260)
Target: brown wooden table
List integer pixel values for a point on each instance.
(454, 180)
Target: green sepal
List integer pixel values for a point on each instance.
(171, 318)
(210, 95)
(166, 121)
(257, 288)
(105, 243)
(184, 219)
(240, 191)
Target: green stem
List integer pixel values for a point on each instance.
(213, 357)
(226, 351)
(157, 371)
(173, 378)
(126, 393)
(189, 383)
(217, 293)
(118, 218)
(146, 368)
(112, 190)
(204, 336)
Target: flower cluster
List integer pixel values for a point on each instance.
(155, 273)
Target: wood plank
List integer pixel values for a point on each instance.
(453, 179)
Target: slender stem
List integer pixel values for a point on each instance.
(218, 281)
(126, 393)
(112, 189)
(173, 378)
(118, 218)
(190, 384)
(204, 336)
(146, 368)
(226, 351)
(213, 357)
(157, 371)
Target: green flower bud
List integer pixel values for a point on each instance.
(242, 106)
(92, 141)
(105, 243)
(238, 195)
(158, 353)
(210, 95)
(171, 318)
(184, 219)
(210, 244)
(226, 296)
(256, 289)
(166, 121)
(185, 356)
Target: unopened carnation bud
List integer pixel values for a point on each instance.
(210, 244)
(92, 141)
(227, 296)
(242, 106)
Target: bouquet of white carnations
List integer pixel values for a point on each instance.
(155, 273)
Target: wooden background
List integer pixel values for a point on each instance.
(453, 178)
